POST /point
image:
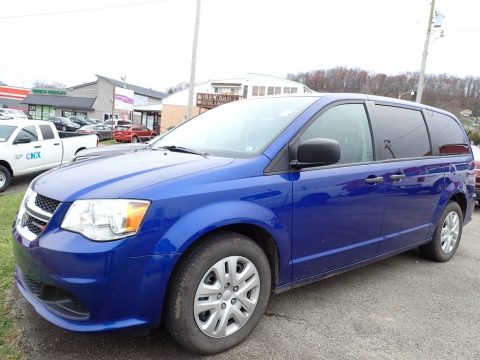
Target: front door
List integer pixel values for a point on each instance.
(28, 155)
(338, 209)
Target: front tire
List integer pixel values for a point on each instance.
(446, 236)
(5, 178)
(218, 294)
(134, 139)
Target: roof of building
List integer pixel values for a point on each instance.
(60, 101)
(136, 89)
(12, 104)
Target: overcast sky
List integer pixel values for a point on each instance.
(150, 41)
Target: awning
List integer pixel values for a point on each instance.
(60, 101)
(149, 108)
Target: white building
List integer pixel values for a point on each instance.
(217, 92)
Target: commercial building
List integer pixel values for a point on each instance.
(214, 93)
(93, 100)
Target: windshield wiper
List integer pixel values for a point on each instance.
(182, 149)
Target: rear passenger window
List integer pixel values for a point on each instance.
(447, 135)
(47, 132)
(402, 133)
(348, 124)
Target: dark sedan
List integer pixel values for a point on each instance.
(63, 123)
(81, 120)
(103, 132)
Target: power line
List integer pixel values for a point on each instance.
(74, 11)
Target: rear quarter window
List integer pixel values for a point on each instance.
(448, 137)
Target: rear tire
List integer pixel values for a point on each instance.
(5, 178)
(218, 294)
(447, 235)
(64, 128)
(134, 139)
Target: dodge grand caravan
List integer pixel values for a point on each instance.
(253, 197)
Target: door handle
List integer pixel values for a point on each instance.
(56, 144)
(397, 177)
(38, 146)
(373, 180)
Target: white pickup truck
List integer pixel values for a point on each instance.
(29, 146)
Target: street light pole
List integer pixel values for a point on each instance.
(194, 60)
(425, 53)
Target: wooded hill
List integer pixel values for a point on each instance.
(444, 91)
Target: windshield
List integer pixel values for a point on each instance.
(6, 131)
(238, 129)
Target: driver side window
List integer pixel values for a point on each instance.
(28, 132)
(348, 124)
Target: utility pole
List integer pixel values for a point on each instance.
(194, 60)
(425, 53)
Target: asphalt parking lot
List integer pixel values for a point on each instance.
(404, 307)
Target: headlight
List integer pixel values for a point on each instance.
(104, 220)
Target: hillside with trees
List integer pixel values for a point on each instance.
(444, 91)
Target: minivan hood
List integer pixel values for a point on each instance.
(113, 177)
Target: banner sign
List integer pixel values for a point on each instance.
(124, 99)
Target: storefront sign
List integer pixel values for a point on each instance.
(124, 99)
(49, 92)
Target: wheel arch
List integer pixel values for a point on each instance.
(7, 165)
(258, 234)
(461, 200)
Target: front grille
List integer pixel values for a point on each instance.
(46, 204)
(34, 225)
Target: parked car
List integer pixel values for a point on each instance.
(115, 150)
(116, 123)
(200, 228)
(103, 132)
(133, 133)
(20, 114)
(7, 113)
(476, 155)
(63, 123)
(5, 117)
(28, 146)
(81, 120)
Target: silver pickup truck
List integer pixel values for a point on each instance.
(28, 146)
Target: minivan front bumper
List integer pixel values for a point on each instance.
(83, 286)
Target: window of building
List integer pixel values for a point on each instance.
(402, 132)
(254, 90)
(293, 90)
(47, 132)
(270, 90)
(286, 90)
(348, 124)
(261, 91)
(278, 90)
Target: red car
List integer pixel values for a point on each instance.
(133, 133)
(476, 155)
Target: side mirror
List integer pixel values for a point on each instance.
(317, 152)
(22, 141)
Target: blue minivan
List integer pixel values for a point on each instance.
(256, 196)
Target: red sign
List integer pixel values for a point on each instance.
(8, 92)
